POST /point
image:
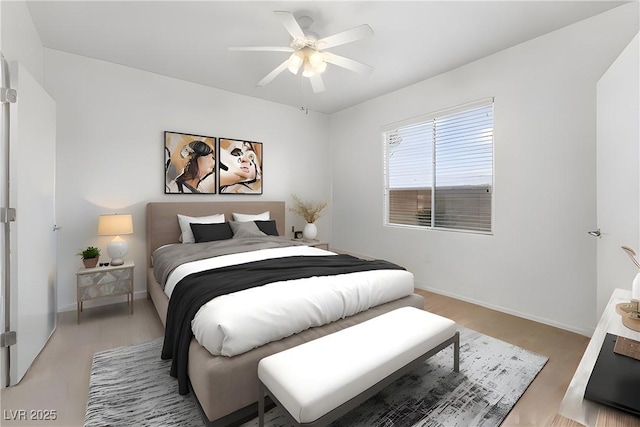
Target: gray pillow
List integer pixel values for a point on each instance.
(245, 229)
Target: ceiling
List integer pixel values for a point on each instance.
(188, 40)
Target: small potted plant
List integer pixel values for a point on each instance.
(90, 256)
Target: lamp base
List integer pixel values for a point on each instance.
(117, 250)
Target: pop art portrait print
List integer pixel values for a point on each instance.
(239, 167)
(189, 164)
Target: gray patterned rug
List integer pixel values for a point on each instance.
(131, 386)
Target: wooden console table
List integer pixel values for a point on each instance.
(574, 407)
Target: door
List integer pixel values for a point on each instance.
(618, 173)
(32, 153)
(4, 213)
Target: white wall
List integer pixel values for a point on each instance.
(112, 118)
(110, 155)
(618, 190)
(539, 263)
(20, 40)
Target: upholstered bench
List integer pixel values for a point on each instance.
(321, 380)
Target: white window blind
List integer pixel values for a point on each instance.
(439, 169)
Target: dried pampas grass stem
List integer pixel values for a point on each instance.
(310, 211)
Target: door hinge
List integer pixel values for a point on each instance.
(8, 95)
(7, 215)
(8, 338)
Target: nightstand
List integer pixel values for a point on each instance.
(99, 282)
(317, 244)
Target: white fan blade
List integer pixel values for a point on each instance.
(273, 74)
(348, 36)
(290, 23)
(263, 48)
(347, 63)
(316, 83)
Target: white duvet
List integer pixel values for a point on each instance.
(235, 323)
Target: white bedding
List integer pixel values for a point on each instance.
(238, 258)
(235, 323)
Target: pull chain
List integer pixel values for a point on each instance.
(303, 108)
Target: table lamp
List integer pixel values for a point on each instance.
(116, 225)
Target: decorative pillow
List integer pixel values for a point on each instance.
(245, 229)
(268, 227)
(184, 221)
(211, 232)
(248, 217)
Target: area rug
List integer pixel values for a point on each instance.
(131, 386)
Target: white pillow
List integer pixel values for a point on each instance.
(184, 221)
(247, 217)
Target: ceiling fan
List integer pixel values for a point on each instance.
(308, 53)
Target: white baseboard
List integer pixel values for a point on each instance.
(581, 331)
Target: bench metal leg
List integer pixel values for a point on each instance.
(260, 404)
(456, 352)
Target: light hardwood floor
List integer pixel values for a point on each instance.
(541, 401)
(59, 378)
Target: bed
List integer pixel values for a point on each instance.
(226, 386)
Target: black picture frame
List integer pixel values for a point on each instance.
(189, 163)
(240, 166)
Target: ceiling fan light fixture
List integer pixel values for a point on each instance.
(312, 62)
(308, 70)
(315, 58)
(295, 62)
(321, 67)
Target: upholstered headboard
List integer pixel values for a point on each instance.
(162, 217)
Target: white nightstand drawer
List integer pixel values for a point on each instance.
(105, 277)
(91, 291)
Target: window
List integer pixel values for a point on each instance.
(439, 169)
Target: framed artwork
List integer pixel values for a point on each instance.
(189, 164)
(239, 167)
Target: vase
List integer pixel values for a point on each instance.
(90, 262)
(310, 231)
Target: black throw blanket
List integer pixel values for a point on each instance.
(196, 289)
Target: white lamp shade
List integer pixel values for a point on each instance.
(307, 69)
(295, 62)
(115, 225)
(315, 59)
